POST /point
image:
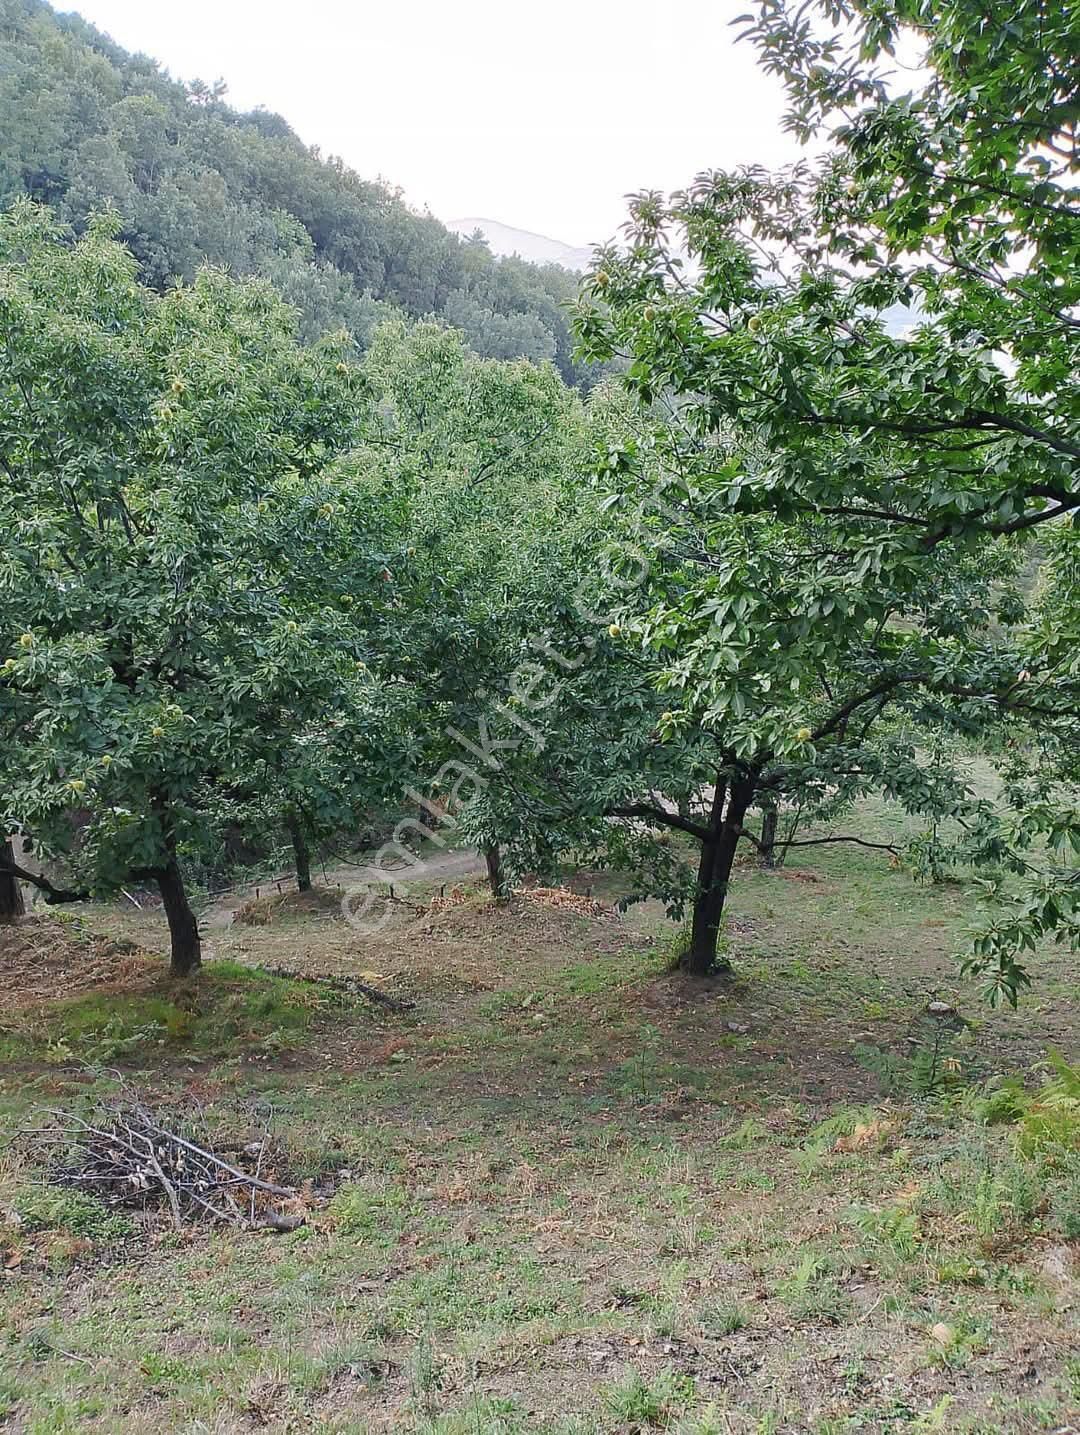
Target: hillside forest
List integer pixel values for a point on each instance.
(85, 125)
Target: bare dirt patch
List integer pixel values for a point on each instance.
(459, 942)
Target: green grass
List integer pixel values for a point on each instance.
(579, 1201)
(231, 1007)
(724, 1317)
(636, 1402)
(53, 1208)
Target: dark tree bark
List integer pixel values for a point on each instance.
(186, 948)
(714, 872)
(769, 819)
(700, 957)
(11, 898)
(54, 896)
(496, 876)
(301, 853)
(183, 928)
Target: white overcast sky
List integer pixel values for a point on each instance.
(541, 116)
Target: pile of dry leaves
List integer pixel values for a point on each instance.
(44, 959)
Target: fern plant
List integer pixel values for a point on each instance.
(894, 1227)
(1052, 1118)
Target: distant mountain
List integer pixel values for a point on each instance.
(505, 241)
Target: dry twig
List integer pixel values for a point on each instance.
(128, 1156)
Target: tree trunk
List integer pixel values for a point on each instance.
(769, 819)
(714, 873)
(183, 928)
(11, 898)
(700, 958)
(496, 876)
(301, 854)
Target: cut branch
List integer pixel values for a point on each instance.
(128, 1156)
(342, 984)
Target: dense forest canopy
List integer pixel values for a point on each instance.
(84, 124)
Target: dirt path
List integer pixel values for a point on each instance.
(437, 867)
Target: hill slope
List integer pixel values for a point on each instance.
(83, 123)
(505, 240)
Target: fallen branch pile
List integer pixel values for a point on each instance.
(567, 901)
(351, 986)
(559, 897)
(126, 1156)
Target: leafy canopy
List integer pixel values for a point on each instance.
(860, 383)
(175, 559)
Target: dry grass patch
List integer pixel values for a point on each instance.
(45, 959)
(262, 911)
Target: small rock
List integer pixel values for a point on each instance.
(282, 1223)
(942, 1333)
(940, 1009)
(738, 1027)
(1059, 1266)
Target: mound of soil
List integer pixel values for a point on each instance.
(43, 960)
(262, 911)
(467, 945)
(526, 917)
(563, 898)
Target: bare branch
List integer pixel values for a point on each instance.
(858, 842)
(661, 818)
(54, 896)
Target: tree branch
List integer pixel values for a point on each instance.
(54, 896)
(858, 841)
(880, 690)
(975, 419)
(661, 818)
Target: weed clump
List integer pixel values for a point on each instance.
(812, 1293)
(45, 1208)
(635, 1402)
(724, 1318)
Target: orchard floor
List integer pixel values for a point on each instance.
(586, 1195)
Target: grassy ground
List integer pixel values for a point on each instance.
(584, 1194)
